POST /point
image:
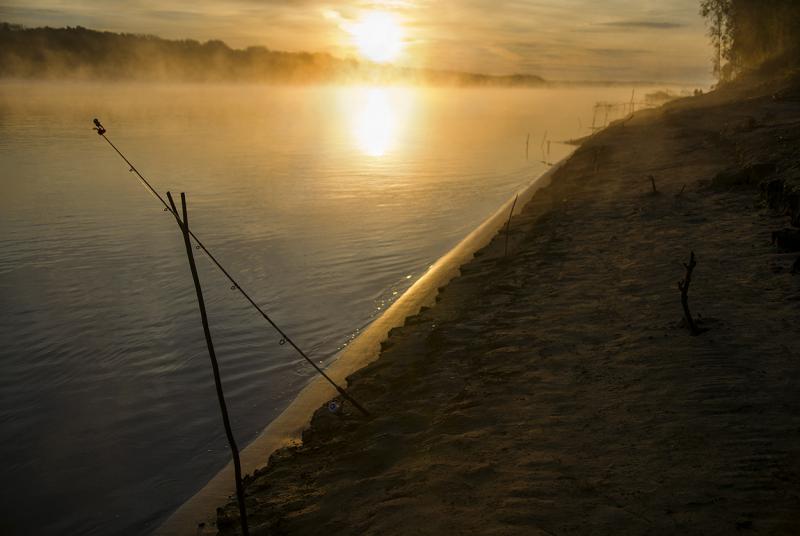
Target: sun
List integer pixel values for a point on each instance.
(378, 36)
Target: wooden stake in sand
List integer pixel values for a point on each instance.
(508, 223)
(237, 467)
(653, 183)
(596, 162)
(683, 286)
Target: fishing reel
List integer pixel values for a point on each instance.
(98, 127)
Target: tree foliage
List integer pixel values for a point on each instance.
(747, 34)
(718, 15)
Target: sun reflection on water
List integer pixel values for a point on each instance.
(378, 117)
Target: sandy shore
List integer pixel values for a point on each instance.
(288, 427)
(557, 390)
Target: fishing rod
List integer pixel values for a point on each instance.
(285, 339)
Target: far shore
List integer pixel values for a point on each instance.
(71, 54)
(78, 81)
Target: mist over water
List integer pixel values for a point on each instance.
(325, 203)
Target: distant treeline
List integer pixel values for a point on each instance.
(750, 34)
(81, 53)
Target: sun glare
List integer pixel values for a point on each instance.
(378, 36)
(376, 125)
(378, 117)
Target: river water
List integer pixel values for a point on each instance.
(326, 204)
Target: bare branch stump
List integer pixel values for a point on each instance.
(653, 184)
(683, 286)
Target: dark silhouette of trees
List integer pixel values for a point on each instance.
(88, 54)
(764, 31)
(747, 34)
(82, 53)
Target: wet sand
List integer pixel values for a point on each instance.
(557, 390)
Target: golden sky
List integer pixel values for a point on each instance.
(557, 39)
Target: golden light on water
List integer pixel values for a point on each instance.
(378, 115)
(378, 36)
(376, 124)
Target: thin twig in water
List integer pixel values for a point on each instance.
(541, 147)
(527, 145)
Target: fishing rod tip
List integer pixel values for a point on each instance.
(98, 127)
